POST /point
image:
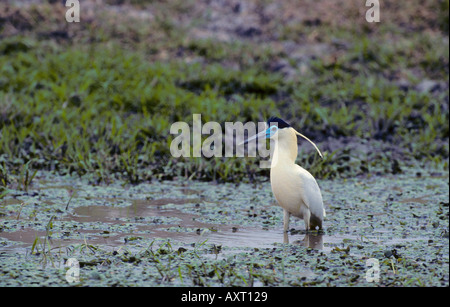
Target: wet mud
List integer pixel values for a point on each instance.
(392, 218)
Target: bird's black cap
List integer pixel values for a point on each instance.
(281, 123)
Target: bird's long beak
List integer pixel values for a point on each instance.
(312, 143)
(261, 135)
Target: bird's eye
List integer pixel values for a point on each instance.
(273, 129)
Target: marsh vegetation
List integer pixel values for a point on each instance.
(85, 166)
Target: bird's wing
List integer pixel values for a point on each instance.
(311, 195)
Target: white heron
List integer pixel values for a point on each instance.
(294, 188)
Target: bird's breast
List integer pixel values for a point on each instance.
(287, 189)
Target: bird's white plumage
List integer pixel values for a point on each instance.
(294, 188)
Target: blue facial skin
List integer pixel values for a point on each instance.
(271, 131)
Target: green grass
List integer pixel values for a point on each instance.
(91, 113)
(101, 103)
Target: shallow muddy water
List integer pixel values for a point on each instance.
(368, 217)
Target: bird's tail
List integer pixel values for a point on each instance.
(324, 213)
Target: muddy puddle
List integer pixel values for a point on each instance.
(366, 218)
(180, 219)
(153, 220)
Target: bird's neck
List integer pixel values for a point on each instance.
(285, 151)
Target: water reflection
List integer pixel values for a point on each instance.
(311, 240)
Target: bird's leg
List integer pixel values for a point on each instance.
(285, 238)
(287, 215)
(306, 216)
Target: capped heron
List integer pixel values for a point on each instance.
(294, 188)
